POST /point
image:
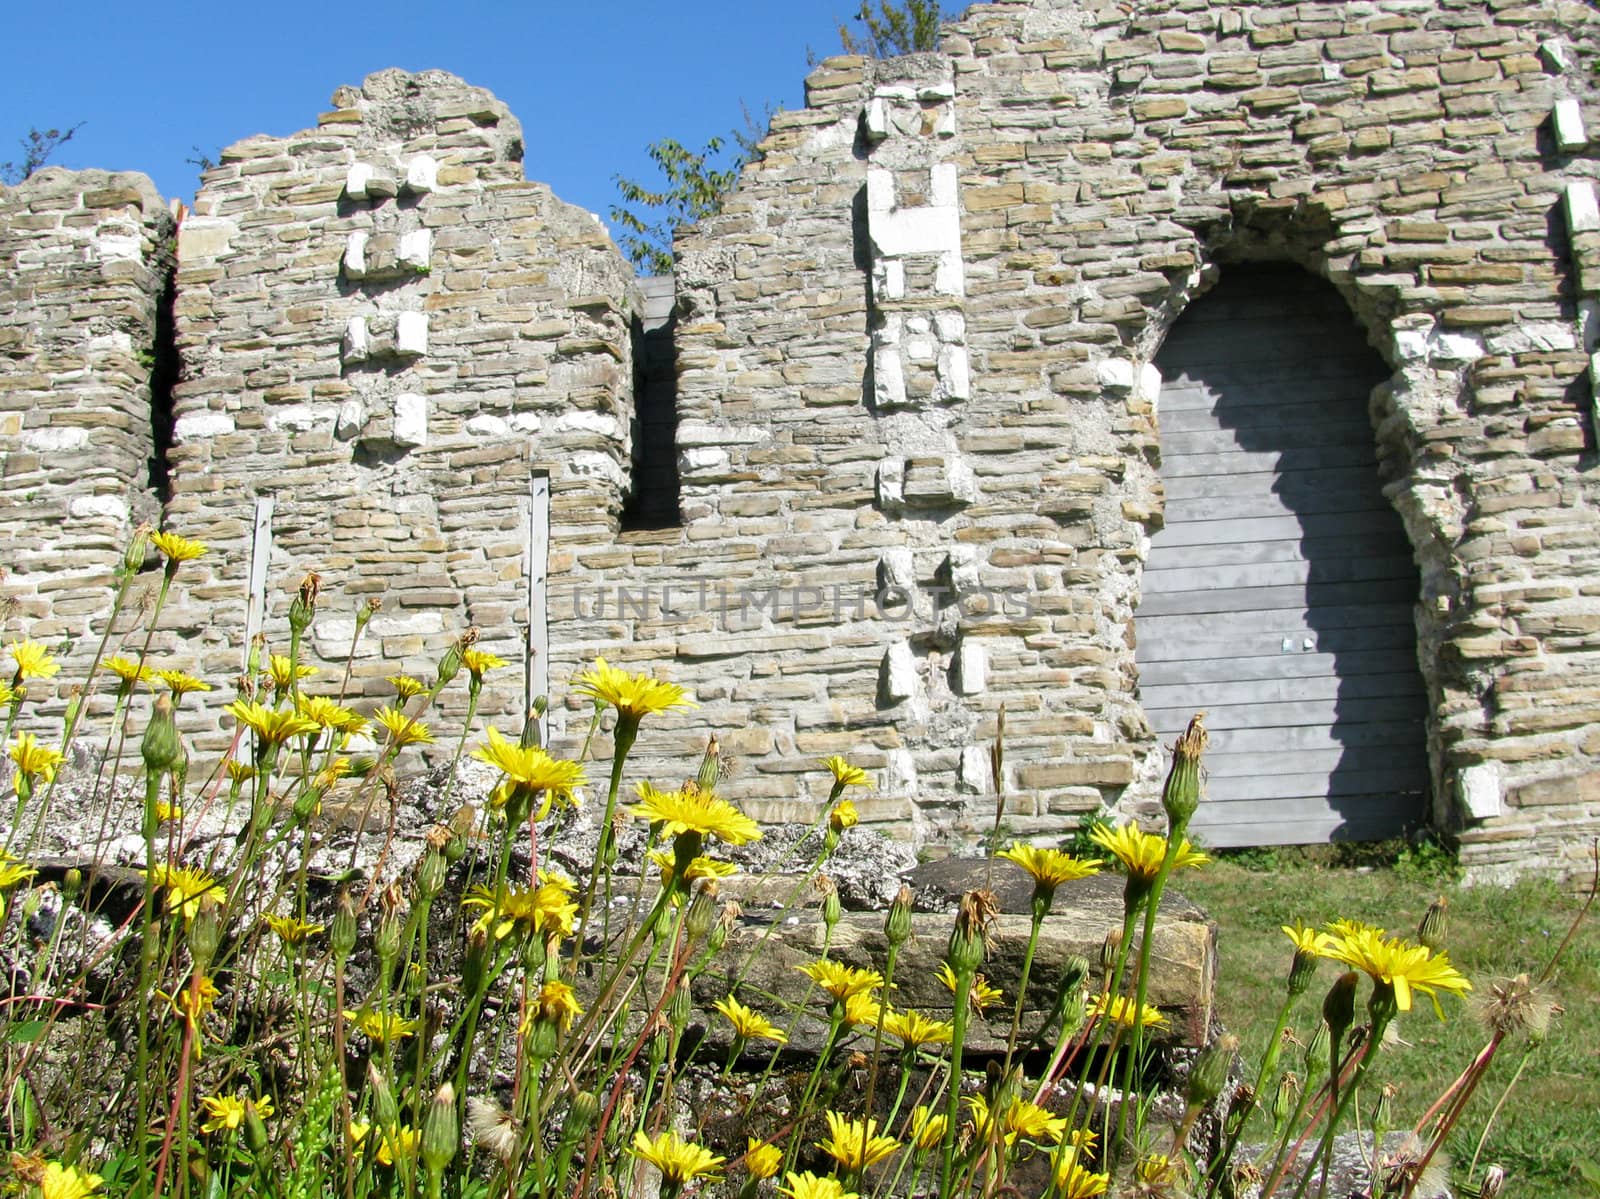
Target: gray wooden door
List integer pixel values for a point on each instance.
(1278, 597)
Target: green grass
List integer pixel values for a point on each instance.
(1548, 1126)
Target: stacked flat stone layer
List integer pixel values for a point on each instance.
(84, 258)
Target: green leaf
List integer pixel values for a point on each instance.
(26, 1032)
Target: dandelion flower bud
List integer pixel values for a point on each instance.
(1494, 1181)
(582, 1113)
(1339, 1007)
(255, 1130)
(1209, 1074)
(391, 929)
(1430, 933)
(702, 914)
(72, 883)
(303, 608)
(1181, 796)
(1110, 950)
(1317, 1053)
(342, 936)
(965, 952)
(441, 1134)
(430, 876)
(383, 1104)
(133, 557)
(710, 767)
(203, 934)
(832, 909)
(897, 928)
(161, 748)
(1285, 1099)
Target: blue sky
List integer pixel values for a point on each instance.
(592, 82)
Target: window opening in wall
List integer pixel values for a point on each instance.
(653, 503)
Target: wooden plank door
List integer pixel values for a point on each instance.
(1279, 595)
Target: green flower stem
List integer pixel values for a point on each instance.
(1039, 912)
(148, 952)
(626, 732)
(1380, 1022)
(835, 1026)
(952, 1107)
(1142, 984)
(1241, 1115)
(877, 1032)
(1130, 913)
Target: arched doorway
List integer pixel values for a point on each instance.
(1278, 596)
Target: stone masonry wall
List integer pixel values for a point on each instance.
(389, 332)
(84, 257)
(915, 350)
(917, 432)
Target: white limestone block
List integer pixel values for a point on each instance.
(975, 772)
(411, 333)
(416, 248)
(891, 483)
(875, 120)
(891, 279)
(899, 773)
(888, 377)
(1149, 385)
(971, 669)
(192, 426)
(895, 91)
(295, 418)
(1567, 121)
(1478, 788)
(880, 190)
(112, 247)
(410, 420)
(960, 480)
(951, 326)
(357, 343)
(899, 673)
(109, 343)
(943, 89)
(1555, 56)
(1411, 344)
(961, 564)
(355, 255)
(699, 432)
(56, 439)
(592, 464)
(1115, 374)
(101, 507)
(955, 373)
(422, 175)
(945, 124)
(202, 237)
(1583, 214)
(351, 420)
(1540, 336)
(703, 458)
(1456, 347)
(583, 421)
(944, 185)
(355, 180)
(525, 422)
(897, 568)
(488, 425)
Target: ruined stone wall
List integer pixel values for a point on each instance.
(389, 333)
(83, 263)
(915, 349)
(916, 415)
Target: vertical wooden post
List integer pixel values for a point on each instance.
(260, 557)
(537, 666)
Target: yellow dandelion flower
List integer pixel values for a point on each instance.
(272, 726)
(280, 668)
(406, 687)
(855, 1144)
(1049, 868)
(529, 771)
(839, 980)
(844, 774)
(329, 714)
(1077, 1182)
(843, 816)
(809, 1186)
(382, 1027)
(128, 670)
(1397, 963)
(1156, 1170)
(558, 1004)
(293, 931)
(188, 890)
(750, 1025)
(168, 811)
(1021, 1119)
(33, 661)
(981, 995)
(1141, 853)
(634, 696)
(693, 810)
(545, 909)
(403, 729)
(700, 867)
(180, 683)
(176, 548)
(67, 1182)
(1121, 1011)
(393, 1143)
(13, 871)
(928, 1127)
(32, 759)
(1341, 928)
(239, 772)
(914, 1030)
(7, 694)
(225, 1113)
(761, 1160)
(480, 662)
(679, 1161)
(1308, 940)
(862, 1010)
